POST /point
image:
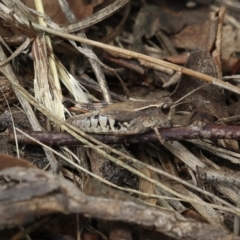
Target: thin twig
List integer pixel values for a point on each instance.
(8, 72)
(124, 52)
(95, 64)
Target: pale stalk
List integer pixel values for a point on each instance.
(58, 109)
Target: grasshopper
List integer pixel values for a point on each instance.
(125, 118)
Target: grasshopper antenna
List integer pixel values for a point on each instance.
(178, 102)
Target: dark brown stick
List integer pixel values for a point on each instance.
(209, 131)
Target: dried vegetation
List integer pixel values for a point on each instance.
(179, 182)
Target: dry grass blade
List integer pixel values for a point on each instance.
(43, 83)
(141, 57)
(67, 79)
(193, 162)
(97, 17)
(54, 102)
(221, 152)
(8, 72)
(18, 51)
(77, 166)
(14, 129)
(71, 83)
(94, 59)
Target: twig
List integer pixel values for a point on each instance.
(95, 64)
(162, 173)
(59, 191)
(8, 72)
(209, 131)
(19, 50)
(138, 56)
(96, 17)
(212, 175)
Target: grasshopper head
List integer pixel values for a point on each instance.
(157, 114)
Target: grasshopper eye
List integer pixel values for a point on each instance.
(166, 108)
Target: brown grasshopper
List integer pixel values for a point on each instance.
(121, 118)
